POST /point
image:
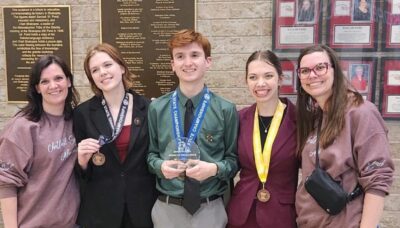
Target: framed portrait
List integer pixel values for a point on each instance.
(361, 11)
(305, 11)
(296, 23)
(361, 74)
(391, 26)
(390, 92)
(288, 85)
(352, 25)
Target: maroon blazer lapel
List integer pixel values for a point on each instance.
(286, 130)
(247, 122)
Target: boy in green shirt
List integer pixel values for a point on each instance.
(194, 200)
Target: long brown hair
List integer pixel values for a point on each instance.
(127, 77)
(308, 112)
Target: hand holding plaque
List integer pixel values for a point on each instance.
(184, 153)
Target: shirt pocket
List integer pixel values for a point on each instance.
(212, 142)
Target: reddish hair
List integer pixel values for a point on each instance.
(188, 36)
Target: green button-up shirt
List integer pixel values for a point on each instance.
(217, 141)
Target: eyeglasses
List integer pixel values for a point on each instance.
(319, 70)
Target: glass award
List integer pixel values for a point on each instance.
(188, 154)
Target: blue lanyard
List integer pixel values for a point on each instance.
(197, 120)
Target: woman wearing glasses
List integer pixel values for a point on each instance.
(264, 196)
(353, 144)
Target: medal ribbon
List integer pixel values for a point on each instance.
(197, 119)
(262, 159)
(117, 128)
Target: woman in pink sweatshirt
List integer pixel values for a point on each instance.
(353, 144)
(38, 152)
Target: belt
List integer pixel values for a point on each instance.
(179, 201)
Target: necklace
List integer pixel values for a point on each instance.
(265, 127)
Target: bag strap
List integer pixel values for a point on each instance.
(358, 189)
(317, 142)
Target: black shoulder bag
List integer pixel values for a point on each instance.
(328, 193)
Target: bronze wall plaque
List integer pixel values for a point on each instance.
(32, 31)
(140, 30)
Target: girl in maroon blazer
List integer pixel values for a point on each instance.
(265, 193)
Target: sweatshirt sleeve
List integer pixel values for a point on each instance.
(371, 149)
(15, 159)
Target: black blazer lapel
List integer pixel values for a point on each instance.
(136, 126)
(138, 122)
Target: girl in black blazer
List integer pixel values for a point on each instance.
(111, 131)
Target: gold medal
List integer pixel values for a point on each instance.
(98, 158)
(262, 155)
(263, 195)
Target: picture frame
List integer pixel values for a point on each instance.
(391, 26)
(306, 12)
(390, 88)
(361, 11)
(292, 29)
(361, 74)
(288, 84)
(349, 31)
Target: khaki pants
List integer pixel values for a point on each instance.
(211, 214)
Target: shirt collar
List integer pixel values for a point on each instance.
(196, 99)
